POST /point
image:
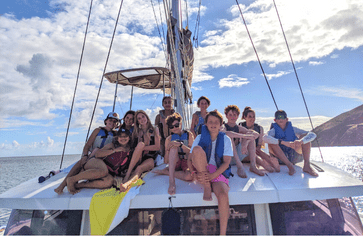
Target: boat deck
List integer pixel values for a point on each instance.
(271, 188)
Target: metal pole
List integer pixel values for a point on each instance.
(179, 95)
(132, 94)
(114, 100)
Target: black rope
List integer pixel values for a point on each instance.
(254, 48)
(75, 88)
(297, 78)
(108, 56)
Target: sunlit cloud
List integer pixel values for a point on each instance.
(316, 63)
(232, 81)
(277, 75)
(351, 93)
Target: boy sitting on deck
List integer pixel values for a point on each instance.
(211, 154)
(290, 144)
(243, 142)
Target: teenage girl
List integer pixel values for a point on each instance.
(199, 116)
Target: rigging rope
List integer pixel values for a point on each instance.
(108, 55)
(297, 78)
(196, 29)
(75, 88)
(254, 48)
(157, 26)
(178, 81)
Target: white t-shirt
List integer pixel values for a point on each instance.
(227, 151)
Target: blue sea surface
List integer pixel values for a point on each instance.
(16, 170)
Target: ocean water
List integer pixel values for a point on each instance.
(15, 170)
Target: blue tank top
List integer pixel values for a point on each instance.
(197, 128)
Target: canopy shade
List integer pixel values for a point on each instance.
(146, 78)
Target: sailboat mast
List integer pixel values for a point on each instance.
(179, 91)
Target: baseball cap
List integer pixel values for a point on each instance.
(280, 114)
(113, 115)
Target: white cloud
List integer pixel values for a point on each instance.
(50, 142)
(313, 30)
(15, 144)
(277, 75)
(351, 93)
(232, 81)
(300, 122)
(316, 63)
(334, 56)
(63, 134)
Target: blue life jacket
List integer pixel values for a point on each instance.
(103, 137)
(287, 135)
(206, 143)
(181, 138)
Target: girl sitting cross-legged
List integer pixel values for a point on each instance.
(177, 150)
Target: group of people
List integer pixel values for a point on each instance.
(204, 153)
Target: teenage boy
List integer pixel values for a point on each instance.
(160, 121)
(290, 144)
(211, 154)
(243, 141)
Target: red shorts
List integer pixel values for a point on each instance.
(182, 164)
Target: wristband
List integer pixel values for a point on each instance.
(280, 141)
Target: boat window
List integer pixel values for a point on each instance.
(43, 222)
(328, 217)
(196, 220)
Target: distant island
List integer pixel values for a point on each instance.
(345, 129)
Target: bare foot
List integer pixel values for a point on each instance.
(60, 188)
(71, 185)
(256, 171)
(241, 173)
(311, 171)
(207, 195)
(267, 166)
(172, 188)
(164, 171)
(291, 170)
(275, 163)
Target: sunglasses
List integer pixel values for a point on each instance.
(280, 117)
(176, 126)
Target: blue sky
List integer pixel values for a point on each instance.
(41, 43)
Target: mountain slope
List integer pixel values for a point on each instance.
(345, 129)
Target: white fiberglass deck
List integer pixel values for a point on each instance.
(273, 187)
